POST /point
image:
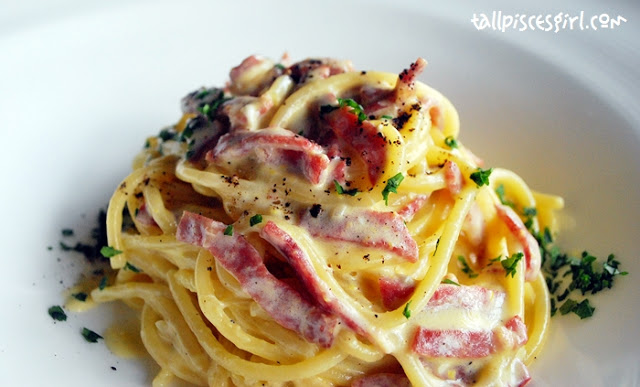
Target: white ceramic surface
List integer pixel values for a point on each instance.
(83, 83)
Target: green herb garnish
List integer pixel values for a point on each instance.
(481, 176)
(451, 142)
(103, 283)
(108, 251)
(565, 274)
(279, 66)
(501, 196)
(255, 219)
(341, 191)
(356, 108)
(450, 282)
(229, 230)
(90, 335)
(510, 264)
(57, 313)
(81, 296)
(392, 186)
(387, 117)
(67, 232)
(407, 312)
(128, 266)
(465, 267)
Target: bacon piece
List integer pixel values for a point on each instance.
(408, 76)
(519, 330)
(530, 246)
(395, 292)
(278, 299)
(144, 217)
(384, 230)
(410, 209)
(382, 380)
(301, 263)
(468, 343)
(453, 343)
(274, 146)
(311, 69)
(470, 298)
(453, 177)
(364, 138)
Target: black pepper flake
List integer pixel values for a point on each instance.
(315, 210)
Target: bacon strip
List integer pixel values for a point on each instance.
(278, 299)
(301, 263)
(475, 298)
(395, 292)
(364, 138)
(453, 343)
(468, 343)
(274, 146)
(410, 209)
(382, 380)
(453, 177)
(530, 246)
(383, 230)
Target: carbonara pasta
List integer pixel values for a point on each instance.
(316, 225)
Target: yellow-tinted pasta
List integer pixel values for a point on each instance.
(349, 194)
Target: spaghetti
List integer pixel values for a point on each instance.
(313, 224)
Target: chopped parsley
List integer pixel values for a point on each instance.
(406, 312)
(501, 196)
(103, 283)
(387, 117)
(279, 66)
(465, 267)
(565, 274)
(356, 108)
(510, 264)
(450, 282)
(67, 232)
(255, 219)
(128, 266)
(392, 186)
(229, 230)
(481, 176)
(108, 251)
(80, 296)
(582, 309)
(451, 142)
(90, 335)
(341, 191)
(57, 313)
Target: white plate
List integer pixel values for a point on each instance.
(82, 85)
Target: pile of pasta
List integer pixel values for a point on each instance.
(310, 224)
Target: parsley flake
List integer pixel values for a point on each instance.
(229, 230)
(406, 312)
(510, 264)
(450, 282)
(108, 251)
(128, 266)
(67, 232)
(481, 176)
(501, 196)
(465, 267)
(392, 186)
(451, 142)
(387, 117)
(90, 335)
(356, 108)
(81, 296)
(341, 191)
(279, 66)
(103, 283)
(57, 313)
(255, 219)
